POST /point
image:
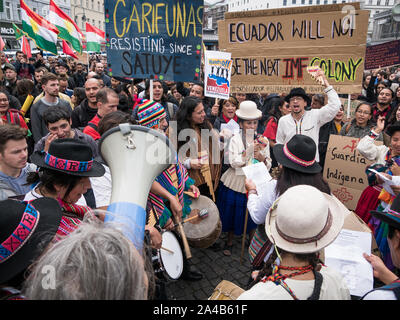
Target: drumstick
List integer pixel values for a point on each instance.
(170, 251)
(180, 228)
(185, 242)
(202, 214)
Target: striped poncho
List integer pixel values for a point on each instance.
(166, 181)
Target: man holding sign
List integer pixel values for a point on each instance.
(300, 121)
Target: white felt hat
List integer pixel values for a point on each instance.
(248, 111)
(304, 220)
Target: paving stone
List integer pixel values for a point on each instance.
(215, 267)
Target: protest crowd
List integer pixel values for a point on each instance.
(55, 109)
(56, 185)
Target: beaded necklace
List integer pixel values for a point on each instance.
(279, 279)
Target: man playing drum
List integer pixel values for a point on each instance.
(175, 180)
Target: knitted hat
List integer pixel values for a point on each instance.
(149, 113)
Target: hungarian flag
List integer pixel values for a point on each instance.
(94, 38)
(25, 47)
(67, 50)
(18, 32)
(42, 32)
(69, 31)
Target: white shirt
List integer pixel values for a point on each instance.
(380, 295)
(259, 204)
(311, 121)
(102, 188)
(333, 288)
(32, 195)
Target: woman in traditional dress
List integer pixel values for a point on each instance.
(198, 145)
(243, 148)
(297, 166)
(301, 223)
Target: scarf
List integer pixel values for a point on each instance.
(73, 214)
(227, 119)
(166, 181)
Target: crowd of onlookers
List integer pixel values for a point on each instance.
(56, 109)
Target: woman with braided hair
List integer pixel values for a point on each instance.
(292, 271)
(297, 166)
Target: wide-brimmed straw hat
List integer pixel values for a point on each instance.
(392, 216)
(248, 111)
(298, 154)
(69, 156)
(25, 230)
(304, 220)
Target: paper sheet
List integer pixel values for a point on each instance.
(345, 255)
(394, 181)
(259, 174)
(232, 126)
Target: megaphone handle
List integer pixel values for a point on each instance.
(185, 242)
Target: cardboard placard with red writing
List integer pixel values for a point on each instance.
(345, 169)
(271, 49)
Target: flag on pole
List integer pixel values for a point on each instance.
(25, 47)
(17, 31)
(67, 50)
(94, 37)
(42, 32)
(2, 44)
(69, 31)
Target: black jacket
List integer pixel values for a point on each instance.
(82, 114)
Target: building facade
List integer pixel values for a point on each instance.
(91, 11)
(385, 28)
(12, 14)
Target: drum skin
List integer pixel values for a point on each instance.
(203, 233)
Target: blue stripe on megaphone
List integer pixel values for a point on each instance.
(130, 218)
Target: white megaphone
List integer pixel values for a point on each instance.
(136, 155)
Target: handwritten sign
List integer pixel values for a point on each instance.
(217, 74)
(382, 55)
(344, 169)
(271, 49)
(154, 39)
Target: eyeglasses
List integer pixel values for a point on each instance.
(363, 112)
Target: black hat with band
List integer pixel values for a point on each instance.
(25, 230)
(69, 156)
(298, 154)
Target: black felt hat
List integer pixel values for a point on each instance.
(25, 231)
(298, 154)
(393, 128)
(70, 156)
(298, 92)
(392, 216)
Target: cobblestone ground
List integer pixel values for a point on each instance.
(215, 267)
